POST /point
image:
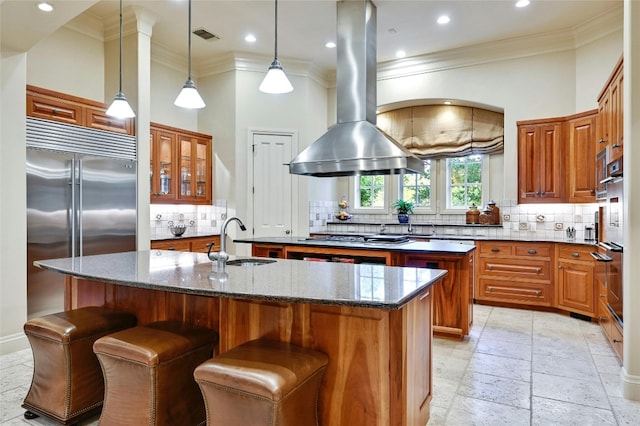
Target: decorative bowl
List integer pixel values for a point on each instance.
(178, 230)
(343, 216)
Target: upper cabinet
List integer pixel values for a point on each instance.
(540, 156)
(610, 114)
(181, 166)
(581, 165)
(556, 159)
(56, 106)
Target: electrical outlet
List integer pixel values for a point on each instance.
(559, 226)
(523, 226)
(506, 217)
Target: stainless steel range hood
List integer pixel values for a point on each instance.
(355, 146)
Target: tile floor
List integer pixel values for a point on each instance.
(517, 367)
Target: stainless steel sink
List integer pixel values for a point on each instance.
(249, 262)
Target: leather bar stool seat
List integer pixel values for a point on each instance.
(262, 382)
(148, 373)
(67, 382)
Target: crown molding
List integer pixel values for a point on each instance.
(508, 49)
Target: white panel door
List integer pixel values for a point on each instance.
(271, 185)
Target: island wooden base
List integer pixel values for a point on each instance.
(379, 370)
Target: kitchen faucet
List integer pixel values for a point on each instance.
(221, 257)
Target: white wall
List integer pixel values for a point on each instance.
(68, 62)
(13, 215)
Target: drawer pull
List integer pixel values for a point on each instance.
(538, 292)
(426, 294)
(495, 249)
(575, 254)
(538, 270)
(559, 266)
(617, 341)
(532, 251)
(490, 267)
(601, 141)
(489, 288)
(602, 319)
(602, 296)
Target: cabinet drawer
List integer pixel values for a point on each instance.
(616, 339)
(495, 249)
(575, 252)
(201, 245)
(515, 292)
(514, 268)
(182, 245)
(533, 250)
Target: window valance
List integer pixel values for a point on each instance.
(432, 131)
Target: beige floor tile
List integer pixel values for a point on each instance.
(500, 366)
(626, 412)
(506, 349)
(444, 391)
(476, 412)
(516, 393)
(547, 412)
(574, 368)
(567, 389)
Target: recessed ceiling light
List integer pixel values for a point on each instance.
(522, 3)
(444, 19)
(250, 38)
(45, 7)
(330, 44)
(401, 54)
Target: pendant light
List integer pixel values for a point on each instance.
(189, 96)
(276, 80)
(120, 108)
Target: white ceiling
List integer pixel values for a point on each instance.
(304, 26)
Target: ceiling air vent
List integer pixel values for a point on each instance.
(204, 34)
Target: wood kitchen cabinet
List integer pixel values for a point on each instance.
(581, 167)
(193, 244)
(610, 113)
(180, 170)
(516, 273)
(453, 295)
(575, 290)
(64, 108)
(540, 161)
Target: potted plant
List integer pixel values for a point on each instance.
(404, 209)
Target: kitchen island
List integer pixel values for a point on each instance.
(453, 296)
(373, 321)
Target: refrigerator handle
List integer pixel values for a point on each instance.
(72, 210)
(79, 209)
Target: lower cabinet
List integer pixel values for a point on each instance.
(514, 273)
(193, 244)
(575, 290)
(453, 295)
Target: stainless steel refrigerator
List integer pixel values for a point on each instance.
(81, 200)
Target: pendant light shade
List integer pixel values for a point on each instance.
(189, 96)
(120, 108)
(276, 80)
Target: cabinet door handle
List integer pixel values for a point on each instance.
(559, 266)
(538, 193)
(543, 193)
(602, 296)
(495, 249)
(615, 145)
(532, 251)
(617, 341)
(601, 141)
(575, 254)
(423, 296)
(602, 319)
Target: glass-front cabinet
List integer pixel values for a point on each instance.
(195, 170)
(180, 169)
(162, 154)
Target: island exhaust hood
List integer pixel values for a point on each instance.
(355, 146)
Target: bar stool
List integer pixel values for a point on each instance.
(148, 372)
(67, 382)
(262, 382)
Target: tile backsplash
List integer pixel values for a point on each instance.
(519, 221)
(199, 219)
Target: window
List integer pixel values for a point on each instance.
(370, 191)
(464, 181)
(416, 188)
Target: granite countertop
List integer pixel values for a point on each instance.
(408, 247)
(296, 281)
